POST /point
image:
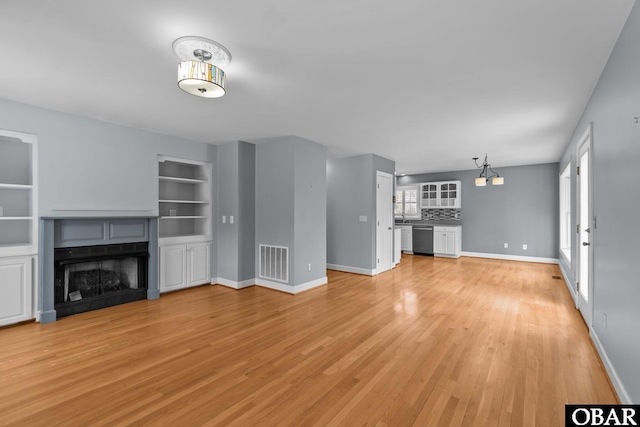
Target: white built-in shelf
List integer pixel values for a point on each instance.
(18, 198)
(16, 186)
(181, 180)
(184, 200)
(203, 202)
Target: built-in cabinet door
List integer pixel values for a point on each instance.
(449, 194)
(438, 242)
(198, 257)
(447, 241)
(450, 243)
(406, 239)
(173, 267)
(15, 290)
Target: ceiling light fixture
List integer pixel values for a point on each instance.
(200, 72)
(484, 177)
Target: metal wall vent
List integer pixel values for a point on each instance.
(274, 263)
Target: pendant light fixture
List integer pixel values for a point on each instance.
(200, 72)
(484, 177)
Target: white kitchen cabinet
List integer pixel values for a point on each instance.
(185, 265)
(15, 289)
(447, 241)
(449, 194)
(441, 194)
(397, 245)
(406, 238)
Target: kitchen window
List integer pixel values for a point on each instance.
(407, 203)
(565, 212)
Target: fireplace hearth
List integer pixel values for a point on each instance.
(93, 277)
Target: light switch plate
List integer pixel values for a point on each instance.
(230, 219)
(1, 211)
(224, 219)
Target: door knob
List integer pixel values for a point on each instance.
(586, 243)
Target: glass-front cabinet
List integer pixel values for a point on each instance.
(429, 195)
(449, 194)
(443, 194)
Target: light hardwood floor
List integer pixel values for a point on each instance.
(434, 342)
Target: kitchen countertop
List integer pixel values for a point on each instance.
(433, 223)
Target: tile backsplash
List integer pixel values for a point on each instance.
(441, 214)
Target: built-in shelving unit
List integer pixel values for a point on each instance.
(184, 205)
(184, 198)
(18, 225)
(18, 221)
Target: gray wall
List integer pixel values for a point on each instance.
(236, 197)
(351, 193)
(247, 210)
(523, 210)
(616, 202)
(91, 168)
(288, 168)
(310, 207)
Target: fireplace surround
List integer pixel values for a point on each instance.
(91, 263)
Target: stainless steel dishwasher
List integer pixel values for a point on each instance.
(422, 240)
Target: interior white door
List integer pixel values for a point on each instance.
(384, 221)
(585, 228)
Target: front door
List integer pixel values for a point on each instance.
(384, 221)
(585, 228)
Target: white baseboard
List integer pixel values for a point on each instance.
(233, 284)
(348, 269)
(613, 375)
(512, 257)
(569, 286)
(291, 289)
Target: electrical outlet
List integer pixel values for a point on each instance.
(363, 218)
(224, 219)
(524, 247)
(506, 246)
(309, 267)
(604, 320)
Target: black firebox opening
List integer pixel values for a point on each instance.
(93, 277)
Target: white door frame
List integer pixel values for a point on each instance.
(584, 226)
(384, 224)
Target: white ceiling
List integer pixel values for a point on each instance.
(427, 83)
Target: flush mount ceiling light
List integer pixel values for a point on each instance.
(484, 177)
(200, 72)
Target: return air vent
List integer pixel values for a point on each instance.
(274, 263)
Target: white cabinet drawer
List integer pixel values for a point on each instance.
(453, 229)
